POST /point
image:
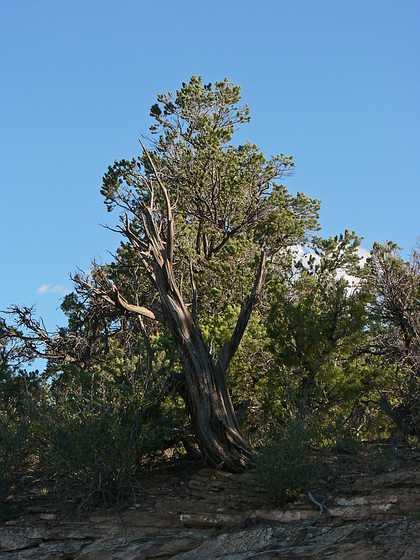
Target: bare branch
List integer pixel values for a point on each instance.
(28, 339)
(103, 289)
(138, 309)
(169, 215)
(229, 348)
(194, 294)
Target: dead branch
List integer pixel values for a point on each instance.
(229, 349)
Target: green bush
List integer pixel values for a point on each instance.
(287, 466)
(84, 434)
(93, 457)
(93, 436)
(13, 450)
(17, 390)
(341, 436)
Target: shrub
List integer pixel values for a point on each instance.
(13, 450)
(94, 457)
(341, 436)
(287, 466)
(92, 437)
(17, 392)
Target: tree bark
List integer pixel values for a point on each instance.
(209, 403)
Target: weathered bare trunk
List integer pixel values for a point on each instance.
(221, 442)
(209, 403)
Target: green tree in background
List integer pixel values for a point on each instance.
(317, 319)
(394, 335)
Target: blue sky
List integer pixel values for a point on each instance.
(336, 84)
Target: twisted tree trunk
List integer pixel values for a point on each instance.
(214, 421)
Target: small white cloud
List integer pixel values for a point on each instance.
(52, 289)
(43, 288)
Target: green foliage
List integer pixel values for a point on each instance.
(95, 456)
(18, 390)
(340, 435)
(394, 333)
(13, 451)
(287, 466)
(229, 203)
(86, 433)
(99, 427)
(317, 319)
(248, 372)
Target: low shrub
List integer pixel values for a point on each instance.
(13, 450)
(344, 437)
(17, 390)
(288, 466)
(93, 458)
(93, 437)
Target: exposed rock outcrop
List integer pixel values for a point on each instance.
(219, 516)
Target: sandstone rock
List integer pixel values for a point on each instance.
(139, 549)
(220, 516)
(46, 551)
(211, 519)
(15, 538)
(372, 541)
(393, 479)
(284, 516)
(48, 516)
(147, 519)
(237, 545)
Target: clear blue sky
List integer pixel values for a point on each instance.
(336, 84)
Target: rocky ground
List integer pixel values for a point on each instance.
(365, 512)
